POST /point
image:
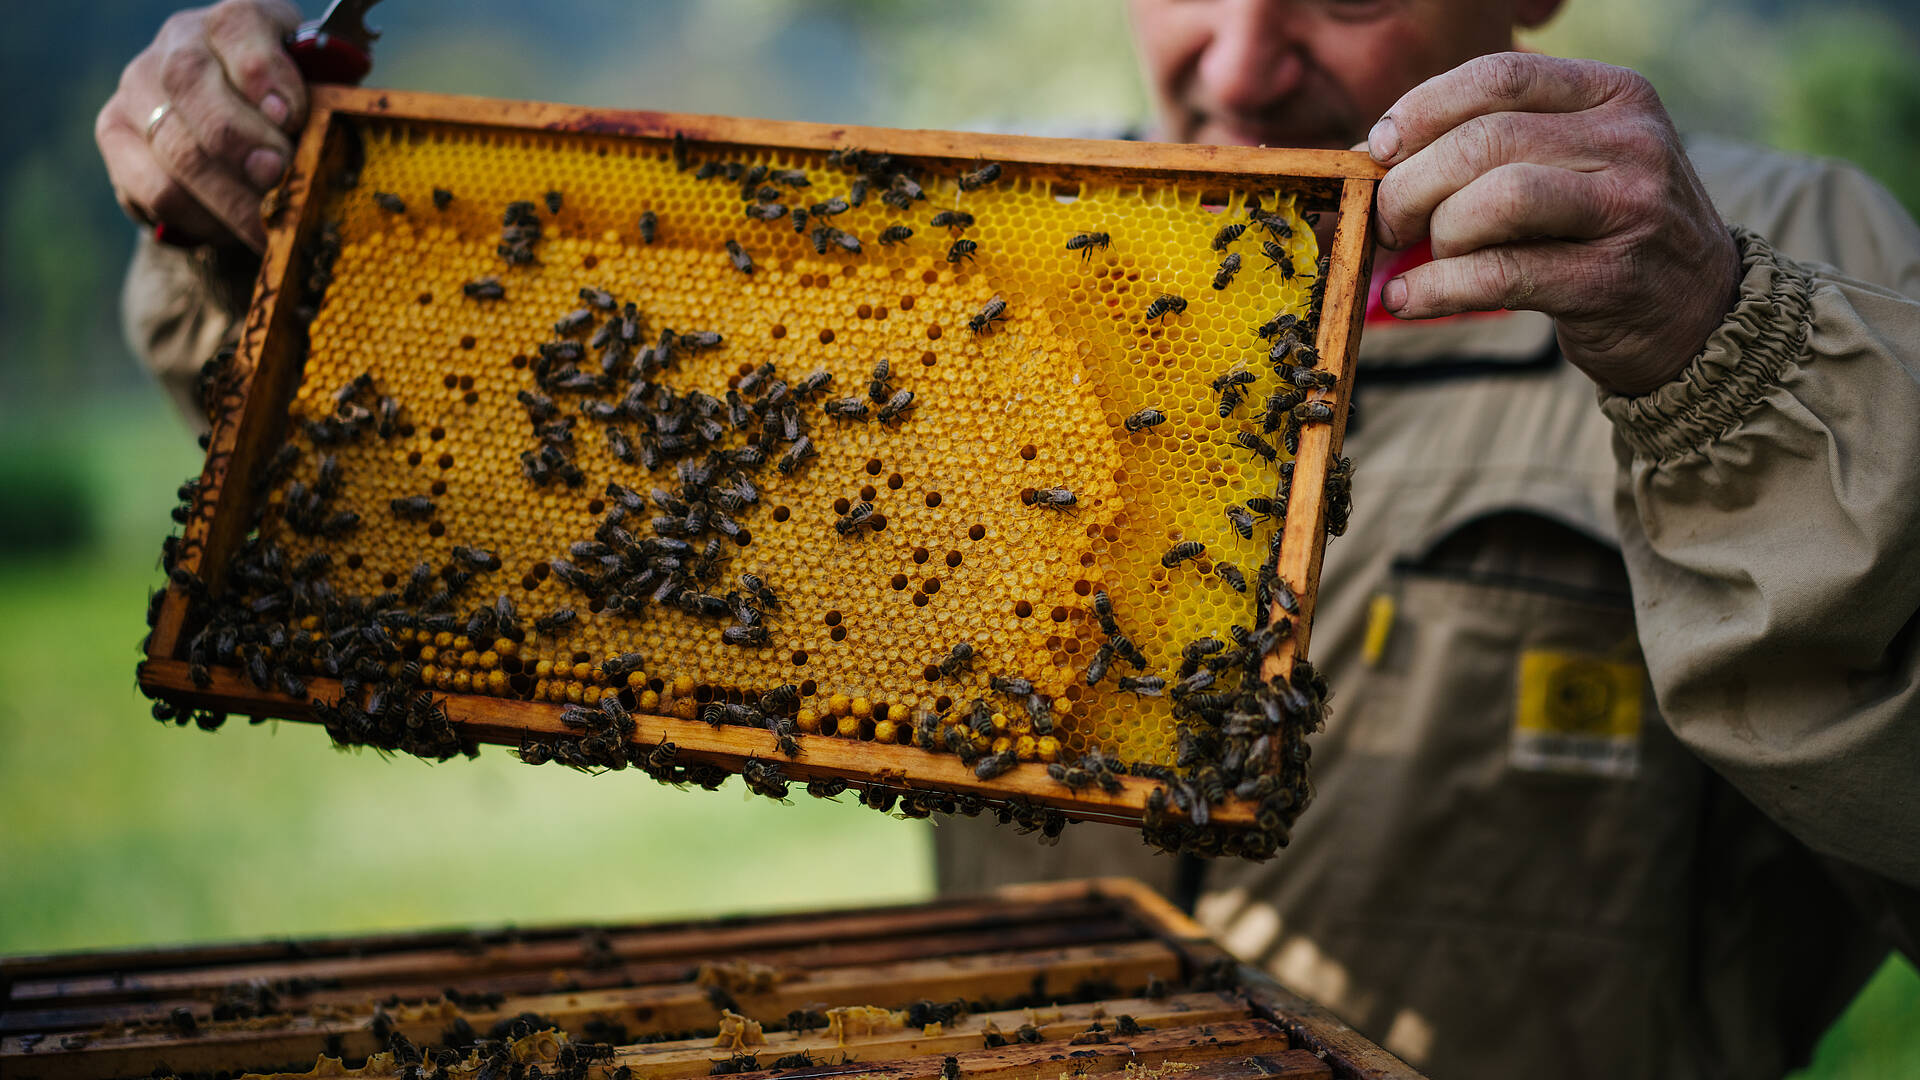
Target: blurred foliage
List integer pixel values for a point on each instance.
(1856, 96)
(1838, 80)
(115, 830)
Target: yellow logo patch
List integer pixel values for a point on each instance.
(1578, 713)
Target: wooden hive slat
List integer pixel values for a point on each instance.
(1232, 1021)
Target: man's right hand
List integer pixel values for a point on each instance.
(235, 96)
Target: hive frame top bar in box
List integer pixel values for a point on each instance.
(1005, 986)
(255, 390)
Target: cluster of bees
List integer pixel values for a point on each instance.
(532, 1046)
(279, 621)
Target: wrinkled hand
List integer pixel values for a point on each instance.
(235, 95)
(1557, 186)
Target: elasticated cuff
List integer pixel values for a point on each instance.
(1763, 337)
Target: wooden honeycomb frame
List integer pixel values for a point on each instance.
(265, 373)
(1093, 946)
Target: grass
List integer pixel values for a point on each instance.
(115, 830)
(122, 831)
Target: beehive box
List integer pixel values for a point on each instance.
(1037, 981)
(756, 435)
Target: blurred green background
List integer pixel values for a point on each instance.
(116, 831)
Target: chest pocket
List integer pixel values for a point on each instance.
(1524, 777)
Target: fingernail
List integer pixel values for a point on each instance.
(264, 167)
(1393, 296)
(1384, 140)
(275, 107)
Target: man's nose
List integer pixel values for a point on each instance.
(1251, 60)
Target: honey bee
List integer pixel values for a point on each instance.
(896, 406)
(766, 211)
(747, 637)
(486, 288)
(1307, 378)
(649, 226)
(1275, 223)
(847, 408)
(1279, 411)
(994, 311)
(1247, 440)
(1165, 304)
(894, 234)
(619, 667)
(553, 202)
(880, 384)
(829, 208)
(1125, 649)
(1278, 259)
(1102, 660)
(962, 249)
(906, 187)
(1144, 419)
(390, 202)
(442, 198)
(980, 177)
(763, 778)
(1231, 574)
(1055, 498)
(1181, 552)
(952, 219)
(1228, 234)
(1275, 325)
(412, 507)
(960, 744)
(1229, 266)
(1267, 508)
(994, 765)
(1339, 496)
(1143, 685)
(1103, 611)
(823, 236)
(1085, 242)
(800, 451)
(1241, 520)
(1313, 412)
(959, 659)
(1073, 776)
(742, 261)
(812, 384)
(554, 620)
(1010, 685)
(860, 514)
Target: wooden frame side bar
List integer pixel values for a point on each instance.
(1344, 308)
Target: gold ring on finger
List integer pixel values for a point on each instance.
(154, 118)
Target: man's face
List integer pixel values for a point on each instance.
(1306, 72)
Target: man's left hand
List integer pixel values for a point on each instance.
(1557, 186)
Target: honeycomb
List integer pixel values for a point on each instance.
(956, 551)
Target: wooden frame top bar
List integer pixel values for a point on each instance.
(1248, 166)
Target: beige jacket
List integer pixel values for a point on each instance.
(1623, 774)
(1623, 777)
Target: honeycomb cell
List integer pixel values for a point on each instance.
(1034, 401)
